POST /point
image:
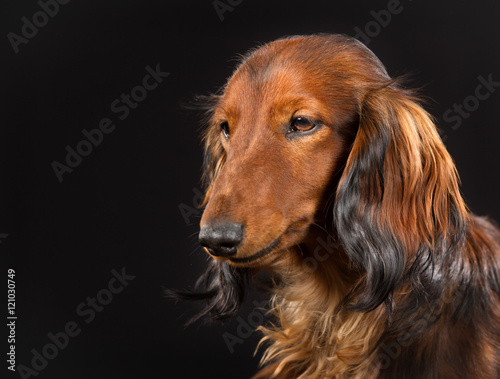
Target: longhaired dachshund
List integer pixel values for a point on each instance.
(323, 171)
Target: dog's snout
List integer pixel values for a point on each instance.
(221, 240)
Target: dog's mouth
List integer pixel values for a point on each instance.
(260, 254)
(272, 248)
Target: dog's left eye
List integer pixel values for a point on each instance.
(301, 124)
(224, 126)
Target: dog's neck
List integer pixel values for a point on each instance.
(315, 278)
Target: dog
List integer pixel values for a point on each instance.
(329, 175)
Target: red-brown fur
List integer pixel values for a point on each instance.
(410, 286)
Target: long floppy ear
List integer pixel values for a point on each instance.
(222, 286)
(398, 207)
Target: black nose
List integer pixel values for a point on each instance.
(221, 240)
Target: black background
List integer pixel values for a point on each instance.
(120, 206)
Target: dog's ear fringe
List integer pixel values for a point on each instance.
(223, 291)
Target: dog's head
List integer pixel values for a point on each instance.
(277, 136)
(308, 120)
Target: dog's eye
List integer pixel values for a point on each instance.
(224, 127)
(301, 124)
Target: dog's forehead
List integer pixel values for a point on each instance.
(266, 77)
(284, 77)
(261, 86)
(325, 66)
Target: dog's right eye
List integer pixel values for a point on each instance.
(224, 127)
(301, 124)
